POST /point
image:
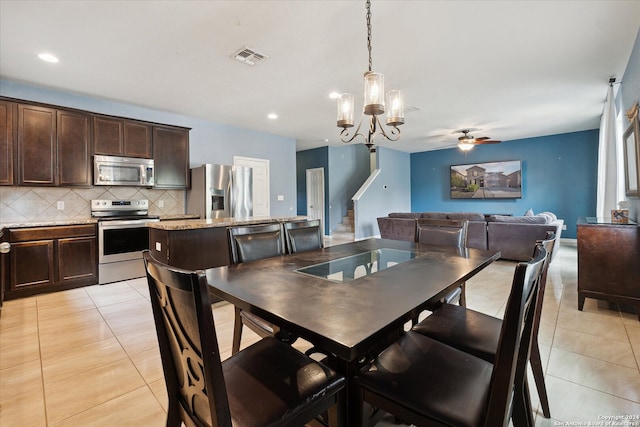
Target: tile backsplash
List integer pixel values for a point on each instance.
(20, 204)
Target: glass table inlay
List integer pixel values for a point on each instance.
(349, 268)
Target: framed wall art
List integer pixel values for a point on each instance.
(631, 149)
(494, 180)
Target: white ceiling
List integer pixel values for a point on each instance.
(511, 69)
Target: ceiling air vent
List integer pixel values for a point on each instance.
(248, 56)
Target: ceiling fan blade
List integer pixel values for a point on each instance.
(491, 141)
(482, 138)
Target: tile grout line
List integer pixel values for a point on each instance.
(44, 394)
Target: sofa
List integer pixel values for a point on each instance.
(513, 236)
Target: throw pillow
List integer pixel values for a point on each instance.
(529, 212)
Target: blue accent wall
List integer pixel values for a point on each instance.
(559, 175)
(345, 169)
(390, 191)
(312, 159)
(349, 168)
(209, 142)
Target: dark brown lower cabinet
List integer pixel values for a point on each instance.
(47, 259)
(191, 249)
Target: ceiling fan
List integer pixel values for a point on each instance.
(466, 142)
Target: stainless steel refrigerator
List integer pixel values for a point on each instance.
(221, 191)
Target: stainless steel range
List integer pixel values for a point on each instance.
(122, 236)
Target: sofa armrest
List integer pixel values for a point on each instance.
(398, 228)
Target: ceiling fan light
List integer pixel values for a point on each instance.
(373, 93)
(395, 113)
(345, 110)
(465, 146)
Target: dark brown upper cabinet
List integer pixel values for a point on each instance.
(37, 154)
(74, 148)
(7, 142)
(118, 137)
(54, 147)
(171, 157)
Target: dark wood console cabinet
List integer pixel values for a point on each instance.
(608, 262)
(47, 259)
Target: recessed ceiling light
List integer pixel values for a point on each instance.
(48, 57)
(334, 95)
(273, 116)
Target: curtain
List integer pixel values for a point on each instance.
(607, 197)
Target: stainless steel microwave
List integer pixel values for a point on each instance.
(131, 171)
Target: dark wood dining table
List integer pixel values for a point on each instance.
(348, 300)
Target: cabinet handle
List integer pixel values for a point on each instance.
(5, 247)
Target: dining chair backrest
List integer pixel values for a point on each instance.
(188, 345)
(548, 244)
(249, 243)
(302, 236)
(442, 232)
(514, 344)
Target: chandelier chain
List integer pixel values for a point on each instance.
(369, 33)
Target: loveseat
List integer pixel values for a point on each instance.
(513, 236)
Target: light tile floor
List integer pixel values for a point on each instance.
(89, 356)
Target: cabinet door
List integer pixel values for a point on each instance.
(137, 140)
(108, 136)
(74, 149)
(171, 157)
(37, 157)
(77, 261)
(6, 142)
(31, 264)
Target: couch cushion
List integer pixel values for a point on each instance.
(434, 215)
(471, 216)
(519, 219)
(404, 215)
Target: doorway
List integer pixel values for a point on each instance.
(315, 195)
(261, 191)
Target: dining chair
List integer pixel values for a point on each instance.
(250, 243)
(302, 236)
(444, 232)
(423, 381)
(259, 386)
(479, 334)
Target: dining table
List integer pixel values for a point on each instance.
(350, 300)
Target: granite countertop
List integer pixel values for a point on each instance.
(48, 223)
(81, 221)
(178, 217)
(191, 224)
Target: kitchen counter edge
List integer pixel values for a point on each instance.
(192, 224)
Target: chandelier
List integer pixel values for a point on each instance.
(374, 105)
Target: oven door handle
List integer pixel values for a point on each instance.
(134, 223)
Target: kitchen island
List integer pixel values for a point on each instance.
(195, 244)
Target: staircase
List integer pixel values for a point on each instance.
(345, 230)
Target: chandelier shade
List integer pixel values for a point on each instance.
(345, 110)
(373, 94)
(374, 105)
